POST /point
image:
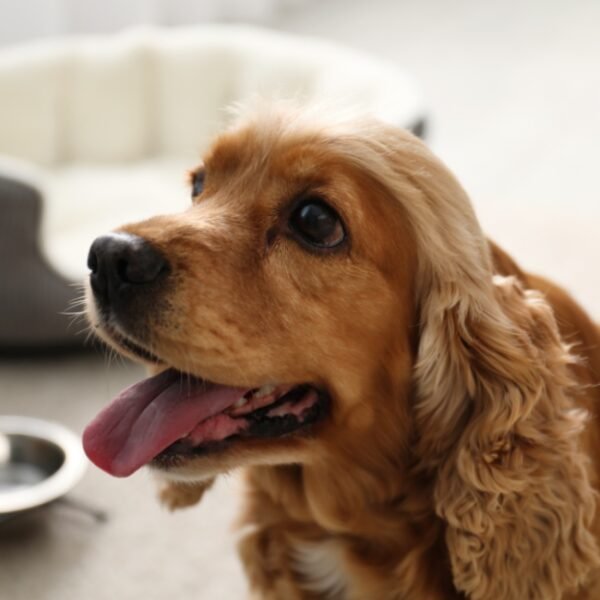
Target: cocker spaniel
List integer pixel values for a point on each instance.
(416, 415)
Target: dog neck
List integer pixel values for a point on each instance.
(362, 496)
(382, 526)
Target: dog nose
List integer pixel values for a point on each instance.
(121, 260)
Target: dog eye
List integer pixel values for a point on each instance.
(316, 223)
(197, 183)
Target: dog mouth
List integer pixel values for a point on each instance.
(268, 412)
(174, 416)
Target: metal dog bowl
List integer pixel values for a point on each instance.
(40, 461)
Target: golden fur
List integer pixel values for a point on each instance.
(461, 453)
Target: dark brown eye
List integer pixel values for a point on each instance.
(197, 183)
(317, 224)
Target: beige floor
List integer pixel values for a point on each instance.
(514, 93)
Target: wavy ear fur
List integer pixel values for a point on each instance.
(511, 482)
(495, 411)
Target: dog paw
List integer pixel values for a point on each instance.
(176, 495)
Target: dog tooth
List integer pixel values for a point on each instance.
(241, 402)
(265, 390)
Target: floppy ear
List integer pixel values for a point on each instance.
(497, 426)
(500, 430)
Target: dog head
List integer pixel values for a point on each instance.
(277, 298)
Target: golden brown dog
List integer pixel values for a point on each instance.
(417, 415)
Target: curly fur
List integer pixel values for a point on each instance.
(493, 386)
(459, 460)
(514, 488)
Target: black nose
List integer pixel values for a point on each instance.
(120, 261)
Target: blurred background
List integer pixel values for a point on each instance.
(508, 93)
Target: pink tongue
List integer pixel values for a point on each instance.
(149, 416)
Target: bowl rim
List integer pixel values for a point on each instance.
(57, 484)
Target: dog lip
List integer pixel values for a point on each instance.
(126, 343)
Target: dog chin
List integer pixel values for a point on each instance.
(183, 476)
(202, 469)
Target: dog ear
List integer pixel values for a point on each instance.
(497, 427)
(500, 431)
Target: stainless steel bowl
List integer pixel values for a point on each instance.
(40, 461)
